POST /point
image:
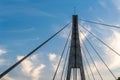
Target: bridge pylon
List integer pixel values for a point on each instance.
(75, 61)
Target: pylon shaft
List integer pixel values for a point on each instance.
(75, 56)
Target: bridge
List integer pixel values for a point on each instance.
(81, 58)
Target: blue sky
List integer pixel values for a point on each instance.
(24, 24)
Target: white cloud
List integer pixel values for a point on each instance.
(84, 33)
(33, 69)
(82, 37)
(37, 71)
(34, 57)
(26, 65)
(52, 56)
(2, 51)
(29, 69)
(110, 58)
(54, 59)
(114, 42)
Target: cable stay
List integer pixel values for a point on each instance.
(61, 57)
(100, 23)
(101, 41)
(66, 71)
(99, 56)
(66, 66)
(87, 62)
(91, 59)
(29, 54)
(87, 74)
(86, 70)
(66, 48)
(65, 63)
(94, 63)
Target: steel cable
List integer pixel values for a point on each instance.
(17, 63)
(99, 56)
(61, 57)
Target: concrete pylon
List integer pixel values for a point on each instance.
(75, 56)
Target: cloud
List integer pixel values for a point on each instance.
(84, 33)
(54, 59)
(37, 71)
(83, 36)
(114, 42)
(33, 68)
(29, 69)
(26, 65)
(52, 56)
(110, 58)
(2, 51)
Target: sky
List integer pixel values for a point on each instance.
(24, 24)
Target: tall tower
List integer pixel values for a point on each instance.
(75, 55)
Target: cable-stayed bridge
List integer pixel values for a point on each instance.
(77, 54)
